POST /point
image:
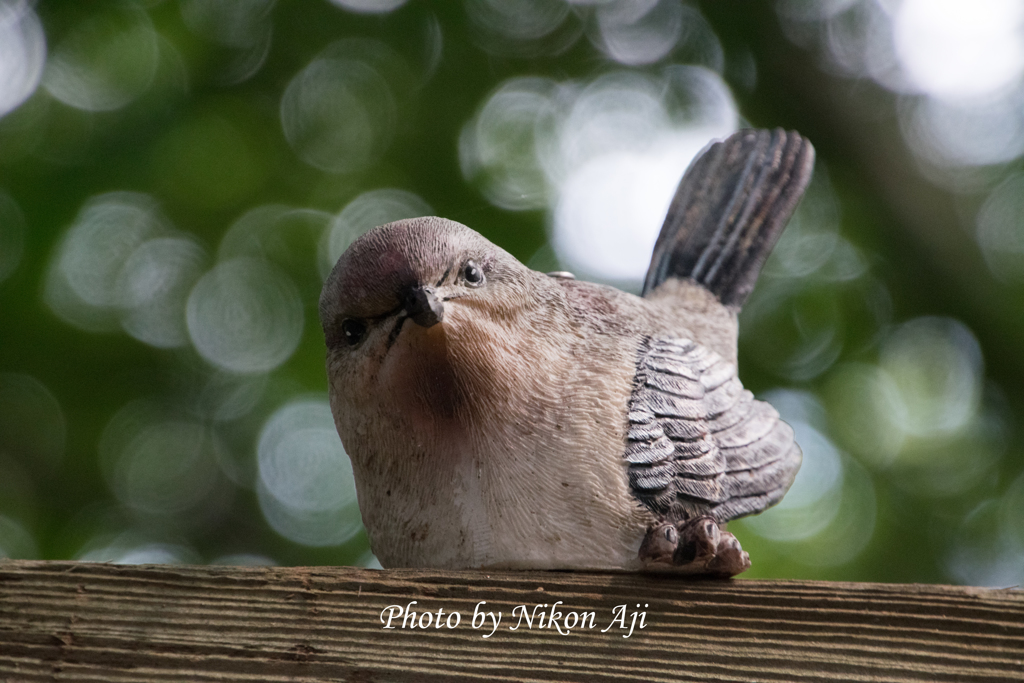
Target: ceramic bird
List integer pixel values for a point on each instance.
(498, 417)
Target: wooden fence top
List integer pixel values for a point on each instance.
(67, 621)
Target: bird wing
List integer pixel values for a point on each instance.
(698, 442)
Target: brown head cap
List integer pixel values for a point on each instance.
(388, 268)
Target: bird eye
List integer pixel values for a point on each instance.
(353, 330)
(472, 274)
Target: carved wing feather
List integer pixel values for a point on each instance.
(698, 442)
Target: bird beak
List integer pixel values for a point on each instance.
(423, 306)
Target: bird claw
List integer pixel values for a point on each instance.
(694, 546)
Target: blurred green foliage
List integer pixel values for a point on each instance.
(177, 177)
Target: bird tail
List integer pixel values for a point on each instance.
(728, 211)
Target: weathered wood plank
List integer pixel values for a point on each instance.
(63, 621)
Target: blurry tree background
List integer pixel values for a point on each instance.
(178, 176)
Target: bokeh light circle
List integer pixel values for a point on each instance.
(872, 409)
(306, 487)
(520, 20)
(954, 49)
(1000, 229)
(228, 396)
(135, 547)
(636, 32)
(154, 284)
(610, 210)
(237, 23)
(82, 285)
(966, 133)
(245, 316)
(105, 234)
(106, 61)
(156, 461)
(981, 550)
(500, 148)
(369, 6)
(22, 53)
(302, 461)
(937, 367)
(340, 111)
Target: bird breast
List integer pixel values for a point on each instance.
(503, 448)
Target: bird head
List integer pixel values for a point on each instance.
(412, 314)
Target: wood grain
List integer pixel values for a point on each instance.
(65, 621)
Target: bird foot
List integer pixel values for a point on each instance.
(693, 546)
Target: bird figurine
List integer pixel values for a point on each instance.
(499, 417)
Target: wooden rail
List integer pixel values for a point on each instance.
(66, 621)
